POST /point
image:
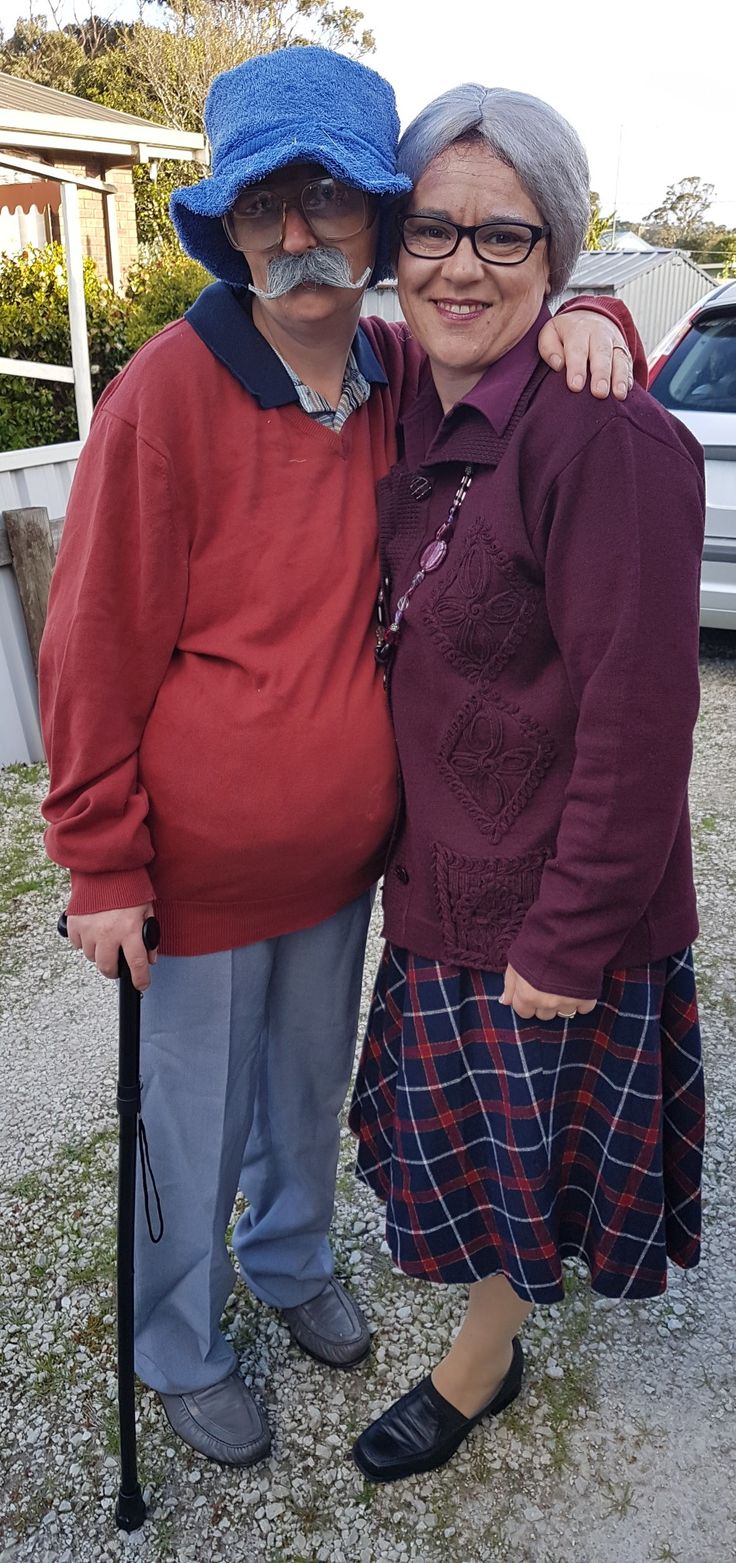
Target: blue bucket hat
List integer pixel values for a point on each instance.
(294, 105)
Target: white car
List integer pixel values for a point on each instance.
(693, 374)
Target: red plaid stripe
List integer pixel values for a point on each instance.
(502, 1145)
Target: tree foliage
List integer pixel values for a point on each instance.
(682, 211)
(53, 59)
(681, 222)
(176, 61)
(161, 65)
(598, 225)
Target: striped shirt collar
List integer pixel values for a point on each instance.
(355, 391)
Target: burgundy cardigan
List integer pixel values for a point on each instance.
(545, 685)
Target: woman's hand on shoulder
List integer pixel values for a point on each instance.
(528, 1001)
(582, 340)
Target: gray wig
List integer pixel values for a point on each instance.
(529, 136)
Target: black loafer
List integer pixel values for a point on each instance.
(421, 1431)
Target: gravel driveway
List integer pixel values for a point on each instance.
(621, 1450)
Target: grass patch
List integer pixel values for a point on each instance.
(111, 1430)
(706, 837)
(28, 1507)
(52, 1374)
(619, 1500)
(30, 1186)
(75, 1253)
(99, 1268)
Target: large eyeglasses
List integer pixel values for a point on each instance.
(332, 209)
(500, 244)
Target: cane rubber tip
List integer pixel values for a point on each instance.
(130, 1510)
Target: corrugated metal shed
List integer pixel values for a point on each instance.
(599, 271)
(658, 286)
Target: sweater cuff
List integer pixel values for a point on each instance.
(109, 892)
(560, 978)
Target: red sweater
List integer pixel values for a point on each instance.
(217, 733)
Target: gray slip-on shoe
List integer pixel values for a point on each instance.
(222, 1422)
(330, 1327)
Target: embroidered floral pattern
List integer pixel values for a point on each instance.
(480, 615)
(483, 903)
(493, 758)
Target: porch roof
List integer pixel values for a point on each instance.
(34, 117)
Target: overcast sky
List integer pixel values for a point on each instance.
(649, 85)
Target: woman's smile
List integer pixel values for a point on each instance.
(460, 311)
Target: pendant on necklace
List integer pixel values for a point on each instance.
(433, 555)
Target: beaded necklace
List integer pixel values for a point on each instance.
(430, 559)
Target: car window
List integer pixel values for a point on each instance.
(701, 374)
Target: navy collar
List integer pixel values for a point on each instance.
(222, 319)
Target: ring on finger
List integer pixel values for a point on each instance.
(566, 1014)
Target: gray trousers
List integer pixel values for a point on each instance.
(245, 1062)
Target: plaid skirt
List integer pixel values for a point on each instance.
(501, 1145)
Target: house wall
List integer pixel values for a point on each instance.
(92, 211)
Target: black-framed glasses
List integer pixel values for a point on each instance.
(332, 209)
(499, 243)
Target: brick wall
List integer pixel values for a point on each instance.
(92, 212)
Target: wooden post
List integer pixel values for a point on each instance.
(32, 552)
(112, 238)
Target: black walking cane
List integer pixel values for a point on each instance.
(130, 1509)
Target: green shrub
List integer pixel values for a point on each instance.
(160, 290)
(34, 325)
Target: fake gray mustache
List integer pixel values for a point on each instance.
(325, 266)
